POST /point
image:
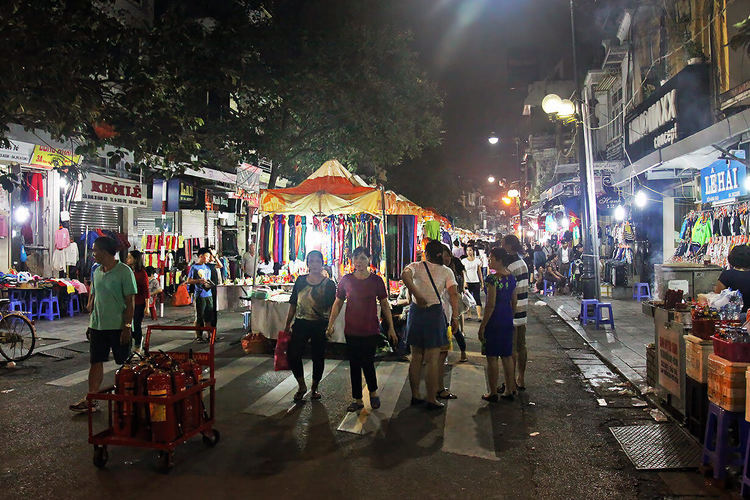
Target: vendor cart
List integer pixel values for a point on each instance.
(169, 405)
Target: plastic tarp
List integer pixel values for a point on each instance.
(331, 189)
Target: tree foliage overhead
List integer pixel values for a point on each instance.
(297, 82)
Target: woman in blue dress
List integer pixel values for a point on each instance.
(496, 330)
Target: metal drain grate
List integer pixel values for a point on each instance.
(657, 447)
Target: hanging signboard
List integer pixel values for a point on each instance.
(49, 157)
(113, 191)
(724, 180)
(187, 193)
(217, 202)
(677, 109)
(16, 152)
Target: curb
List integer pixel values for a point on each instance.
(631, 376)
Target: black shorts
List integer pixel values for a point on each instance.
(101, 341)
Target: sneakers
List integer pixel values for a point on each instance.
(83, 406)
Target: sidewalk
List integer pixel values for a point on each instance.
(625, 346)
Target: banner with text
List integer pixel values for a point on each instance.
(113, 191)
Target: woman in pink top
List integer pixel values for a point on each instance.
(362, 290)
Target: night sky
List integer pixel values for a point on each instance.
(483, 54)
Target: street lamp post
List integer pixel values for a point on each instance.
(566, 111)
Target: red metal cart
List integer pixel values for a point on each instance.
(168, 404)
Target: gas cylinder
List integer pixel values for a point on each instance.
(181, 382)
(142, 423)
(195, 374)
(125, 381)
(163, 421)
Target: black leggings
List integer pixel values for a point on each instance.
(361, 352)
(460, 340)
(137, 322)
(476, 292)
(302, 332)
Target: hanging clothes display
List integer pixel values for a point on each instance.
(709, 235)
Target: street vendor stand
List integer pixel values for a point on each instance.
(672, 323)
(332, 211)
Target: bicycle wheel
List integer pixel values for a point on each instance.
(17, 337)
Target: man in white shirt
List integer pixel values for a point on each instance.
(565, 253)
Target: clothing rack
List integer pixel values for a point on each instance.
(116, 229)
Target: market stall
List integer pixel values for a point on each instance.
(332, 211)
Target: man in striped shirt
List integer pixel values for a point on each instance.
(520, 271)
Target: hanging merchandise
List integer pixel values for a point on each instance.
(709, 235)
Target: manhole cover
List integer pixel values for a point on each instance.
(657, 447)
(59, 353)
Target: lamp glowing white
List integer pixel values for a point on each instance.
(641, 199)
(21, 214)
(619, 213)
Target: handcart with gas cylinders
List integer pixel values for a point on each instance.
(157, 402)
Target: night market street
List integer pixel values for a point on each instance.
(551, 442)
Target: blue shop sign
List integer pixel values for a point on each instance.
(724, 180)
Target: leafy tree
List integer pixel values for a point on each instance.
(215, 82)
(346, 85)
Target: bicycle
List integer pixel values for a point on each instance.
(17, 334)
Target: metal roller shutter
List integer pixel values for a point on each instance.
(193, 224)
(93, 216)
(145, 220)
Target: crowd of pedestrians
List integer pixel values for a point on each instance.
(439, 290)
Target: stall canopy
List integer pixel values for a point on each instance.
(331, 189)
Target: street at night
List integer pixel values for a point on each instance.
(375, 249)
(551, 442)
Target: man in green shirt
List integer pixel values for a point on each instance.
(111, 304)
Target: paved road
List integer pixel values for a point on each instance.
(271, 449)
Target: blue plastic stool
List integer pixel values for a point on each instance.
(641, 291)
(246, 320)
(74, 305)
(549, 289)
(584, 318)
(718, 451)
(32, 304)
(599, 306)
(49, 307)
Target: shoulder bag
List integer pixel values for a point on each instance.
(440, 300)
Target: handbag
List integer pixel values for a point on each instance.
(280, 360)
(440, 300)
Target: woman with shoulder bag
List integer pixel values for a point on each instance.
(427, 323)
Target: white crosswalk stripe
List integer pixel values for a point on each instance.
(391, 380)
(279, 398)
(235, 369)
(468, 382)
(82, 375)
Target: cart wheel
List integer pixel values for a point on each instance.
(212, 440)
(164, 461)
(100, 456)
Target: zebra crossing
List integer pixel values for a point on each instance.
(467, 380)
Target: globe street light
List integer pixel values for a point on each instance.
(493, 139)
(551, 104)
(491, 179)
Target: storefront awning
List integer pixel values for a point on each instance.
(693, 152)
